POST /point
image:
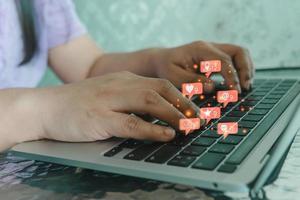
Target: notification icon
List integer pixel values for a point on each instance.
(210, 66)
(227, 128)
(227, 96)
(188, 125)
(209, 113)
(190, 89)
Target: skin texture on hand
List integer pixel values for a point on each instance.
(20, 118)
(101, 107)
(72, 63)
(176, 64)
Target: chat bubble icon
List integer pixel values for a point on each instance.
(209, 113)
(227, 96)
(210, 66)
(188, 125)
(190, 89)
(227, 128)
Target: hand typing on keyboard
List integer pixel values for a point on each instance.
(179, 65)
(101, 107)
(205, 149)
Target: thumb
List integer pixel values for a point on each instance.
(131, 126)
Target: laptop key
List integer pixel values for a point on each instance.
(236, 114)
(211, 133)
(243, 108)
(131, 143)
(249, 103)
(143, 151)
(163, 154)
(258, 112)
(264, 106)
(227, 168)
(229, 119)
(182, 160)
(247, 124)
(231, 139)
(209, 161)
(194, 134)
(204, 141)
(113, 151)
(274, 96)
(271, 101)
(279, 91)
(242, 131)
(253, 98)
(181, 140)
(254, 118)
(222, 148)
(259, 94)
(193, 150)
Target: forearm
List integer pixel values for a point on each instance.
(138, 62)
(19, 120)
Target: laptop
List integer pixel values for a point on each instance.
(203, 158)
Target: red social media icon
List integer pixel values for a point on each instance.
(190, 89)
(227, 128)
(209, 113)
(227, 96)
(189, 124)
(210, 66)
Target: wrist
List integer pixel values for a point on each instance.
(143, 62)
(155, 60)
(22, 121)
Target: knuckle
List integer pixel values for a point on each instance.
(126, 73)
(235, 81)
(164, 85)
(151, 97)
(199, 43)
(227, 60)
(247, 76)
(243, 50)
(131, 123)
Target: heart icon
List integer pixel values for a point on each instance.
(207, 67)
(189, 88)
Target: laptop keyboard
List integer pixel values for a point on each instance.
(205, 149)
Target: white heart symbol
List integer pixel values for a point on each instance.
(189, 88)
(207, 67)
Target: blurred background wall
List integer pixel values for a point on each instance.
(270, 29)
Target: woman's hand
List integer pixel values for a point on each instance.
(99, 108)
(176, 64)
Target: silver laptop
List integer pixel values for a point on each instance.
(203, 158)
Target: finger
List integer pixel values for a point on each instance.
(148, 101)
(243, 63)
(130, 126)
(207, 51)
(169, 92)
(184, 76)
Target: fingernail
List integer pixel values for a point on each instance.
(169, 132)
(239, 88)
(248, 85)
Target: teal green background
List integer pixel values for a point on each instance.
(269, 29)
